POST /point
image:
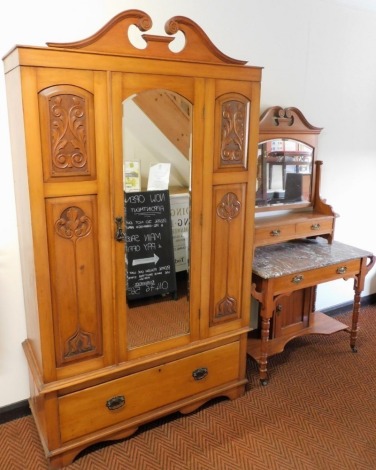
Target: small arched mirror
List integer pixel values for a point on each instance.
(285, 164)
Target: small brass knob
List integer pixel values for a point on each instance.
(341, 270)
(297, 279)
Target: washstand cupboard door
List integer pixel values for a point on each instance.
(66, 130)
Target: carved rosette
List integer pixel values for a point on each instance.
(229, 207)
(73, 224)
(68, 129)
(233, 142)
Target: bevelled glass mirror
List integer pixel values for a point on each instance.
(157, 156)
(285, 163)
(284, 172)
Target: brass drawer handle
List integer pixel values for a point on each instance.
(275, 233)
(115, 403)
(315, 227)
(200, 373)
(297, 279)
(341, 270)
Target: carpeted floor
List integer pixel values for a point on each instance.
(317, 413)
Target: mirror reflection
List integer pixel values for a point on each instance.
(284, 173)
(157, 135)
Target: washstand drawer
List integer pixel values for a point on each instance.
(274, 234)
(304, 279)
(314, 227)
(110, 403)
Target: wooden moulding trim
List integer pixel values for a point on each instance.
(113, 38)
(118, 370)
(33, 365)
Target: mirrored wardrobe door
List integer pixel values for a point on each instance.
(157, 135)
(154, 224)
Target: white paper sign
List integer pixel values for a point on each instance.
(159, 177)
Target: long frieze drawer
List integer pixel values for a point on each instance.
(303, 279)
(274, 234)
(110, 403)
(314, 227)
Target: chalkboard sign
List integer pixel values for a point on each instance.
(149, 245)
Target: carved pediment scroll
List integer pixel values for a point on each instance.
(113, 38)
(286, 122)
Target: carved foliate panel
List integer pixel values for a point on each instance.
(227, 259)
(232, 117)
(67, 132)
(74, 268)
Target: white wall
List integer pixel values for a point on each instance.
(318, 55)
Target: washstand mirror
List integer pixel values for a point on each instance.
(286, 160)
(288, 202)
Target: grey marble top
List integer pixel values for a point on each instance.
(301, 255)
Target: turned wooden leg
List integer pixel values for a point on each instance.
(367, 264)
(263, 363)
(355, 319)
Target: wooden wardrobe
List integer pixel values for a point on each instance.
(101, 365)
